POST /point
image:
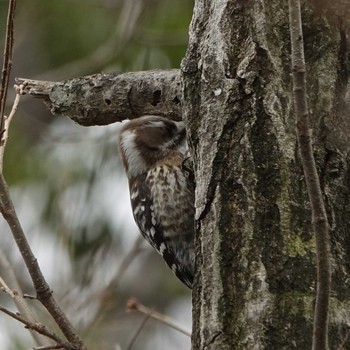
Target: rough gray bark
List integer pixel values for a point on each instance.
(102, 99)
(255, 288)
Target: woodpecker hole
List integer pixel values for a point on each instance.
(156, 97)
(176, 100)
(108, 101)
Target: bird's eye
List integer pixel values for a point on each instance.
(170, 128)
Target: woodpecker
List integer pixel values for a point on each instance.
(153, 151)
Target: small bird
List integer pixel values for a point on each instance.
(153, 150)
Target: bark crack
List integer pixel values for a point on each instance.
(212, 340)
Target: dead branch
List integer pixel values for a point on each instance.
(138, 331)
(7, 121)
(38, 327)
(44, 294)
(7, 64)
(319, 215)
(134, 305)
(49, 347)
(6, 206)
(102, 99)
(12, 288)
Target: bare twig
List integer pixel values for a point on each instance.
(43, 290)
(7, 64)
(12, 288)
(49, 347)
(319, 215)
(138, 331)
(134, 305)
(6, 206)
(38, 327)
(7, 209)
(7, 122)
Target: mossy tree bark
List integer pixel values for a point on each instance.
(256, 281)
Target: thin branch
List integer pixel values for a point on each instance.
(49, 347)
(138, 331)
(7, 64)
(15, 293)
(44, 294)
(319, 215)
(42, 289)
(38, 327)
(7, 121)
(134, 305)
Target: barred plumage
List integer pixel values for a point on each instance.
(153, 150)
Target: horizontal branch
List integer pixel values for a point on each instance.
(134, 305)
(38, 327)
(102, 99)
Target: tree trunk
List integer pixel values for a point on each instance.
(256, 281)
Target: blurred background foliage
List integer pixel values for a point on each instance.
(67, 182)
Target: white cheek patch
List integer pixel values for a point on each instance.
(135, 163)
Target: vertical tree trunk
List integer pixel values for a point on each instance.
(256, 281)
